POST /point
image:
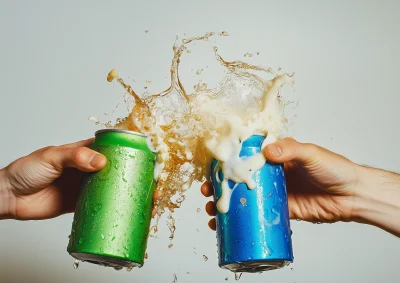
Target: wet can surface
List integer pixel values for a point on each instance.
(254, 235)
(113, 211)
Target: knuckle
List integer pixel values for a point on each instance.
(46, 152)
(289, 139)
(78, 153)
(312, 148)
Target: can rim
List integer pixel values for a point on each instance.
(119, 131)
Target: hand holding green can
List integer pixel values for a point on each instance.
(113, 213)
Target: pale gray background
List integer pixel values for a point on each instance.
(54, 56)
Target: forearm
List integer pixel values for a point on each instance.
(377, 199)
(5, 195)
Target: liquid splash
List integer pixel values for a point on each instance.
(175, 278)
(189, 130)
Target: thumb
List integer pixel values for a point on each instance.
(289, 149)
(80, 157)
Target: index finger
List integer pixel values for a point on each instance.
(206, 189)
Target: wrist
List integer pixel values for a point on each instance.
(377, 199)
(5, 195)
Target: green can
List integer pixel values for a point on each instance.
(113, 212)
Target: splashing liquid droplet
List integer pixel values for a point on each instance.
(238, 275)
(76, 264)
(205, 257)
(226, 278)
(129, 269)
(177, 122)
(175, 278)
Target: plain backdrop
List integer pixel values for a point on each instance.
(54, 58)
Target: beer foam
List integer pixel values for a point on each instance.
(189, 130)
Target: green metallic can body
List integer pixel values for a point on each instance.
(113, 211)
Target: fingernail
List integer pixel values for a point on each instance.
(97, 160)
(275, 150)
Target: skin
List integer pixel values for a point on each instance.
(326, 187)
(322, 186)
(45, 184)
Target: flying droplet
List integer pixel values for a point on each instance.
(238, 275)
(205, 257)
(112, 75)
(76, 264)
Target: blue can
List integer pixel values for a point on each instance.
(254, 235)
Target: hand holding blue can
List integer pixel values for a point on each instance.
(254, 233)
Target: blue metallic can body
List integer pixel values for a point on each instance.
(254, 235)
